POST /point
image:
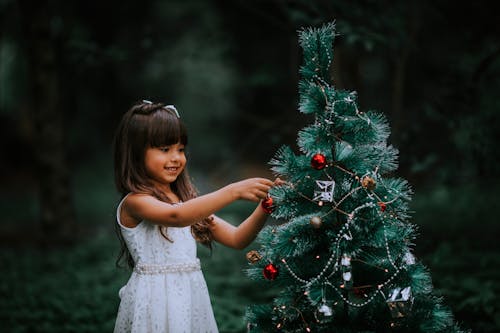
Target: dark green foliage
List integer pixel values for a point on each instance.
(317, 64)
(60, 291)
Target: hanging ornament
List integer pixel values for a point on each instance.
(318, 161)
(270, 272)
(267, 204)
(324, 313)
(316, 222)
(345, 262)
(346, 236)
(409, 258)
(368, 183)
(323, 191)
(400, 302)
(382, 206)
(253, 256)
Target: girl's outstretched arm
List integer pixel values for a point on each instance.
(241, 236)
(139, 207)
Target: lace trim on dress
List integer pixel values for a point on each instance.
(168, 268)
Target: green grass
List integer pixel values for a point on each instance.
(458, 242)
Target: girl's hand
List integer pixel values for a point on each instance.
(279, 181)
(253, 189)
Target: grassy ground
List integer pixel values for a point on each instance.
(75, 289)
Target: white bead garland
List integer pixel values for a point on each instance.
(334, 257)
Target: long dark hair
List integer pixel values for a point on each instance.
(151, 125)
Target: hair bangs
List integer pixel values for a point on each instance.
(166, 129)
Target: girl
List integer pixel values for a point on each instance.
(159, 218)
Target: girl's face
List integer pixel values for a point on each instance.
(165, 164)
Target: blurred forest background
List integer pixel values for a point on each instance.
(70, 69)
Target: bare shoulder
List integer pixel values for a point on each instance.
(136, 202)
(131, 206)
(139, 207)
(134, 199)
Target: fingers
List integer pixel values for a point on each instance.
(264, 185)
(260, 189)
(255, 197)
(278, 181)
(260, 184)
(265, 181)
(256, 189)
(261, 193)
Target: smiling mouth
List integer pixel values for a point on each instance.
(172, 169)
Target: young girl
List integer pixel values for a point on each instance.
(159, 219)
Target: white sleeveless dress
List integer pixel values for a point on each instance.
(166, 292)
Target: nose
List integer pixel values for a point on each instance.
(175, 156)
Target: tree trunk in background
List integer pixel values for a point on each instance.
(400, 68)
(397, 96)
(57, 214)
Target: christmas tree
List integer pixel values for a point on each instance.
(342, 260)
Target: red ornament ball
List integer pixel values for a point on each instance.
(382, 206)
(318, 161)
(270, 272)
(267, 205)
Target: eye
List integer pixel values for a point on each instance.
(164, 149)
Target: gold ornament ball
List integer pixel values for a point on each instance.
(368, 183)
(253, 256)
(316, 222)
